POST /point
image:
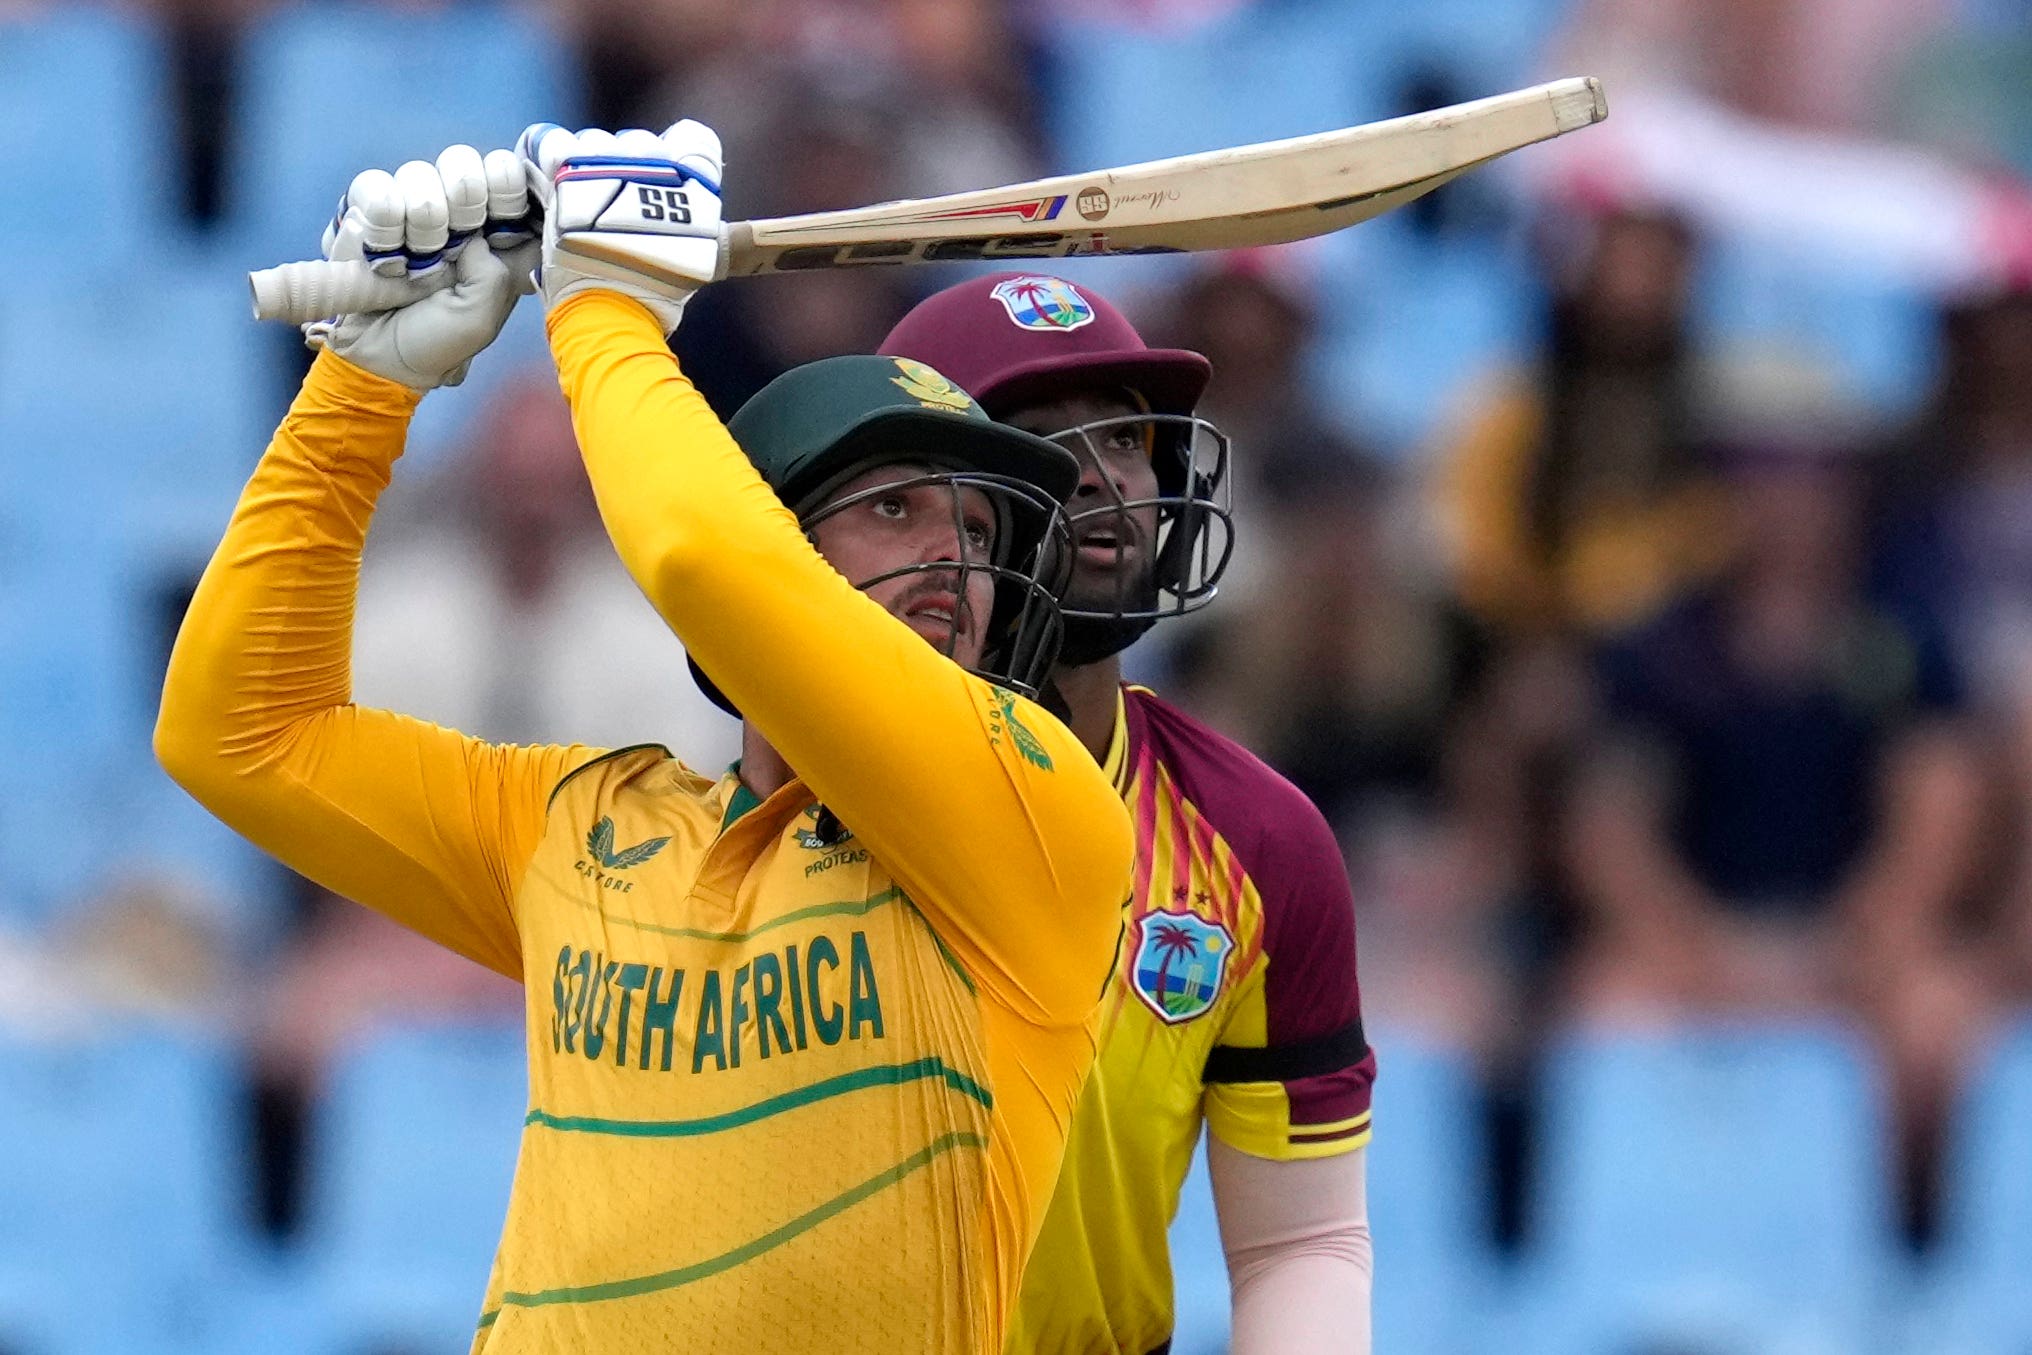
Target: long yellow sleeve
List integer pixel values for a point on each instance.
(417, 821)
(987, 810)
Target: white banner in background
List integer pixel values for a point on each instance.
(1902, 214)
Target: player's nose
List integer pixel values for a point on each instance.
(1096, 483)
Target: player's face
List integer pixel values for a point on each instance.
(1117, 545)
(895, 524)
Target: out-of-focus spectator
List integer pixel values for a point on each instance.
(509, 617)
(1785, 814)
(1251, 315)
(1958, 495)
(748, 69)
(1958, 498)
(1338, 674)
(1577, 496)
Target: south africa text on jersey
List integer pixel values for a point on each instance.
(774, 1003)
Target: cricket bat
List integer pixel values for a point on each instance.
(1268, 193)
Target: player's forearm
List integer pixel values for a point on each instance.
(267, 639)
(1300, 1258)
(1315, 1299)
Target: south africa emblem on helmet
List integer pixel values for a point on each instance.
(1179, 962)
(1043, 303)
(929, 387)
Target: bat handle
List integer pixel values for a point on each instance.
(298, 293)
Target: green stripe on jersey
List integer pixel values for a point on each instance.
(747, 1251)
(886, 1075)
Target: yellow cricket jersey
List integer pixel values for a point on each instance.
(793, 1087)
(1234, 1001)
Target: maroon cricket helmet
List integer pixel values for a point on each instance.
(1010, 339)
(1016, 339)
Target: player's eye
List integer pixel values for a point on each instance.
(980, 534)
(889, 506)
(1126, 440)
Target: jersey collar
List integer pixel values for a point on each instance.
(1116, 763)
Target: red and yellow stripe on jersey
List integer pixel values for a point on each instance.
(1234, 1001)
(791, 1090)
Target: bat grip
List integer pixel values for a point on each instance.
(298, 293)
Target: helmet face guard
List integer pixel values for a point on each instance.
(1029, 561)
(1190, 543)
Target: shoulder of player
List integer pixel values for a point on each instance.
(647, 767)
(1272, 825)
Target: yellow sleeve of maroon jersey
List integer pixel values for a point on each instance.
(257, 721)
(989, 813)
(1290, 1074)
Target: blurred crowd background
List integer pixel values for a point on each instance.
(1635, 566)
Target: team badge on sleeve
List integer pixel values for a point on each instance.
(1179, 962)
(1043, 303)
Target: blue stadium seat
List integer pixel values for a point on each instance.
(1875, 340)
(1428, 1201)
(83, 99)
(330, 90)
(1408, 324)
(1274, 68)
(131, 411)
(413, 1153)
(1476, 47)
(67, 659)
(1118, 95)
(1716, 1188)
(121, 1207)
(1984, 1263)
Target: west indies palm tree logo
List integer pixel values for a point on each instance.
(1179, 963)
(1043, 303)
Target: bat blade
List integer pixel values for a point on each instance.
(1269, 193)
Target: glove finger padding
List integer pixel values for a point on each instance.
(464, 176)
(369, 224)
(431, 224)
(426, 219)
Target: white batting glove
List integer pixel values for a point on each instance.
(630, 212)
(462, 232)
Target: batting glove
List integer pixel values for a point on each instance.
(632, 212)
(462, 233)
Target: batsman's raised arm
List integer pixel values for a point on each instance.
(256, 719)
(985, 808)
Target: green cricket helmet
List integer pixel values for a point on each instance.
(820, 425)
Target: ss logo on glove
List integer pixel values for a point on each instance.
(663, 204)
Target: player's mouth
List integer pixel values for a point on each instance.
(1105, 547)
(937, 614)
